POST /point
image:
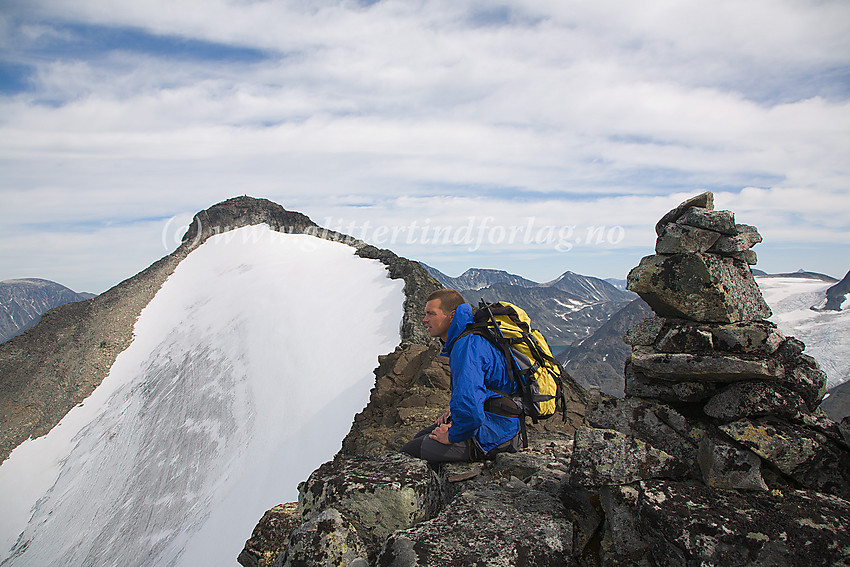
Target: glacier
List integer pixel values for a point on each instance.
(244, 374)
(826, 334)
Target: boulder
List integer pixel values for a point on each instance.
(327, 538)
(640, 386)
(744, 238)
(754, 399)
(722, 222)
(808, 457)
(699, 287)
(493, 526)
(622, 543)
(380, 495)
(683, 336)
(715, 367)
(270, 536)
(603, 457)
(752, 337)
(692, 524)
(680, 238)
(725, 466)
(645, 332)
(804, 376)
(649, 421)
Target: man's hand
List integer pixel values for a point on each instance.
(441, 434)
(443, 419)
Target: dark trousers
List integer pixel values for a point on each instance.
(423, 447)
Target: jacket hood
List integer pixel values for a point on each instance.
(462, 318)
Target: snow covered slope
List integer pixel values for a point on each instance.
(245, 372)
(825, 333)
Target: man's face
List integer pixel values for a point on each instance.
(436, 321)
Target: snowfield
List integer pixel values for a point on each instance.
(244, 375)
(825, 333)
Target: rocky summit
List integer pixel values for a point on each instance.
(56, 365)
(718, 454)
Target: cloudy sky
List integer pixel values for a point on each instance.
(531, 136)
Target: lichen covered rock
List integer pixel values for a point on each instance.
(494, 526)
(692, 524)
(700, 287)
(602, 457)
(379, 495)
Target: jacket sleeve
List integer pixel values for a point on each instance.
(469, 364)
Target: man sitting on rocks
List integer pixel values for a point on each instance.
(466, 432)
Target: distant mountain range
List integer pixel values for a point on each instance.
(23, 301)
(798, 274)
(565, 310)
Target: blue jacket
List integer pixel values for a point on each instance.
(475, 364)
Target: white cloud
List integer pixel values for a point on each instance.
(537, 108)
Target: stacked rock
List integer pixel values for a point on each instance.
(711, 353)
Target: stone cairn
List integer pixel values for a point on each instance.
(711, 352)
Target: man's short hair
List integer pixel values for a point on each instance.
(450, 299)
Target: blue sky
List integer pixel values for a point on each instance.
(535, 137)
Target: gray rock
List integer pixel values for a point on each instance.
(808, 457)
(645, 332)
(715, 367)
(602, 457)
(643, 420)
(754, 399)
(583, 511)
(691, 524)
(680, 238)
(271, 535)
(622, 542)
(756, 337)
(495, 526)
(640, 386)
(325, 539)
(804, 376)
(844, 428)
(703, 201)
(682, 336)
(747, 256)
(745, 237)
(699, 287)
(722, 222)
(381, 495)
(542, 466)
(727, 467)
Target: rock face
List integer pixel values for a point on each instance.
(837, 295)
(718, 454)
(55, 365)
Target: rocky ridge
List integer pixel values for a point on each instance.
(837, 295)
(718, 454)
(58, 363)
